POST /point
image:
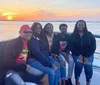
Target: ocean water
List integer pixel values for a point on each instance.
(10, 30)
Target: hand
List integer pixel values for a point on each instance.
(63, 64)
(66, 56)
(85, 59)
(56, 63)
(80, 58)
(54, 67)
(67, 59)
(54, 55)
(28, 67)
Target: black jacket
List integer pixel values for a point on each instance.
(12, 51)
(38, 51)
(45, 40)
(56, 43)
(84, 45)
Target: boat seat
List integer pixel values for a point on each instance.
(2, 47)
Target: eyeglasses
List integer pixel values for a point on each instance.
(27, 32)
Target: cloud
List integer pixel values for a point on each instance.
(87, 14)
(46, 15)
(41, 15)
(2, 10)
(62, 15)
(8, 13)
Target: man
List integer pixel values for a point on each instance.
(15, 58)
(60, 50)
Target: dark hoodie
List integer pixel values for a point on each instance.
(84, 45)
(38, 51)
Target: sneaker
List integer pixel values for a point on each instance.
(88, 83)
(77, 82)
(66, 82)
(69, 82)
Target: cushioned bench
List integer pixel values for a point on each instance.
(2, 49)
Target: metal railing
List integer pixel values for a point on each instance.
(97, 36)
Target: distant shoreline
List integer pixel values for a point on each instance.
(48, 21)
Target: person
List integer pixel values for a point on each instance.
(82, 46)
(15, 59)
(47, 35)
(38, 56)
(60, 49)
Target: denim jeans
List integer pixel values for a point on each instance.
(63, 68)
(87, 68)
(57, 71)
(13, 78)
(49, 71)
(70, 66)
(34, 71)
(19, 78)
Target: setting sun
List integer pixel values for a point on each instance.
(9, 18)
(9, 15)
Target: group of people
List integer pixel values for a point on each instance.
(39, 55)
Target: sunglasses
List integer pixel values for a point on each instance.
(27, 32)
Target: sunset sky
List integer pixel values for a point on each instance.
(50, 10)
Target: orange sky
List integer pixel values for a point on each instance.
(49, 10)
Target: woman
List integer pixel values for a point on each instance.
(82, 46)
(60, 48)
(47, 36)
(38, 56)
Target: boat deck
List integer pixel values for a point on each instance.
(95, 79)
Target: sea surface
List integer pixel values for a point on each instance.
(10, 30)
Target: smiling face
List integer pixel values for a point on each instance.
(81, 26)
(26, 34)
(38, 29)
(63, 29)
(49, 29)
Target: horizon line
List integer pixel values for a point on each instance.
(52, 20)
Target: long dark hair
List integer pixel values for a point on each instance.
(75, 32)
(45, 27)
(86, 32)
(33, 27)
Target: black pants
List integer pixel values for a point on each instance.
(31, 78)
(2, 76)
